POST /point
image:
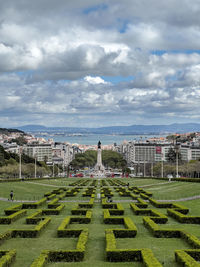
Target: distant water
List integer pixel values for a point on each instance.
(92, 139)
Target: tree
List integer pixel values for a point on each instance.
(19, 140)
(110, 159)
(171, 155)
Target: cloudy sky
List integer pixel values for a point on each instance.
(96, 63)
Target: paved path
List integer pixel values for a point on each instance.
(46, 184)
(115, 201)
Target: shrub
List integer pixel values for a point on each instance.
(34, 205)
(188, 258)
(13, 217)
(31, 233)
(13, 209)
(55, 211)
(7, 257)
(34, 219)
(5, 236)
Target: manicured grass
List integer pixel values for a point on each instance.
(29, 249)
(175, 190)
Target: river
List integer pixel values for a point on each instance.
(92, 139)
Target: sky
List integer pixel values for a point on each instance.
(96, 63)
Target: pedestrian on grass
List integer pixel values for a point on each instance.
(11, 195)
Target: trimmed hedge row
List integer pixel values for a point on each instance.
(54, 211)
(63, 232)
(190, 239)
(87, 205)
(81, 220)
(89, 192)
(149, 259)
(72, 192)
(188, 258)
(111, 220)
(196, 180)
(34, 205)
(158, 204)
(7, 257)
(144, 196)
(13, 209)
(157, 216)
(106, 191)
(139, 211)
(157, 232)
(31, 233)
(61, 196)
(141, 203)
(52, 203)
(114, 208)
(169, 205)
(78, 211)
(5, 236)
(64, 255)
(118, 211)
(183, 218)
(106, 205)
(134, 197)
(168, 233)
(131, 229)
(42, 260)
(13, 217)
(128, 255)
(34, 219)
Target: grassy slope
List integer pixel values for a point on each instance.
(163, 248)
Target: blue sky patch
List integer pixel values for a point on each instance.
(95, 8)
(117, 79)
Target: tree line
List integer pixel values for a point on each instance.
(9, 165)
(110, 159)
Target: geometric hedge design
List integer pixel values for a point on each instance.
(118, 225)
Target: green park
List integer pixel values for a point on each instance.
(100, 222)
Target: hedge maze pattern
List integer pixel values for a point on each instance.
(91, 195)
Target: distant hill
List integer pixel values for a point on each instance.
(133, 129)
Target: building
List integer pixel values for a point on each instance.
(42, 152)
(11, 147)
(62, 153)
(146, 152)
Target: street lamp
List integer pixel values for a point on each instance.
(20, 162)
(152, 169)
(36, 165)
(144, 161)
(161, 165)
(53, 169)
(177, 152)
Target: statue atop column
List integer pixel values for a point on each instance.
(99, 168)
(99, 144)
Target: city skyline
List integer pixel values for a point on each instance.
(99, 63)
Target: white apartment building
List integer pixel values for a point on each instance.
(62, 153)
(42, 152)
(138, 152)
(13, 147)
(151, 152)
(194, 153)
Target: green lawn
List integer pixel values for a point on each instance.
(29, 249)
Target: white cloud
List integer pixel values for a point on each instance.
(95, 80)
(54, 55)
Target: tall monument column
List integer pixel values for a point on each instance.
(99, 168)
(99, 158)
